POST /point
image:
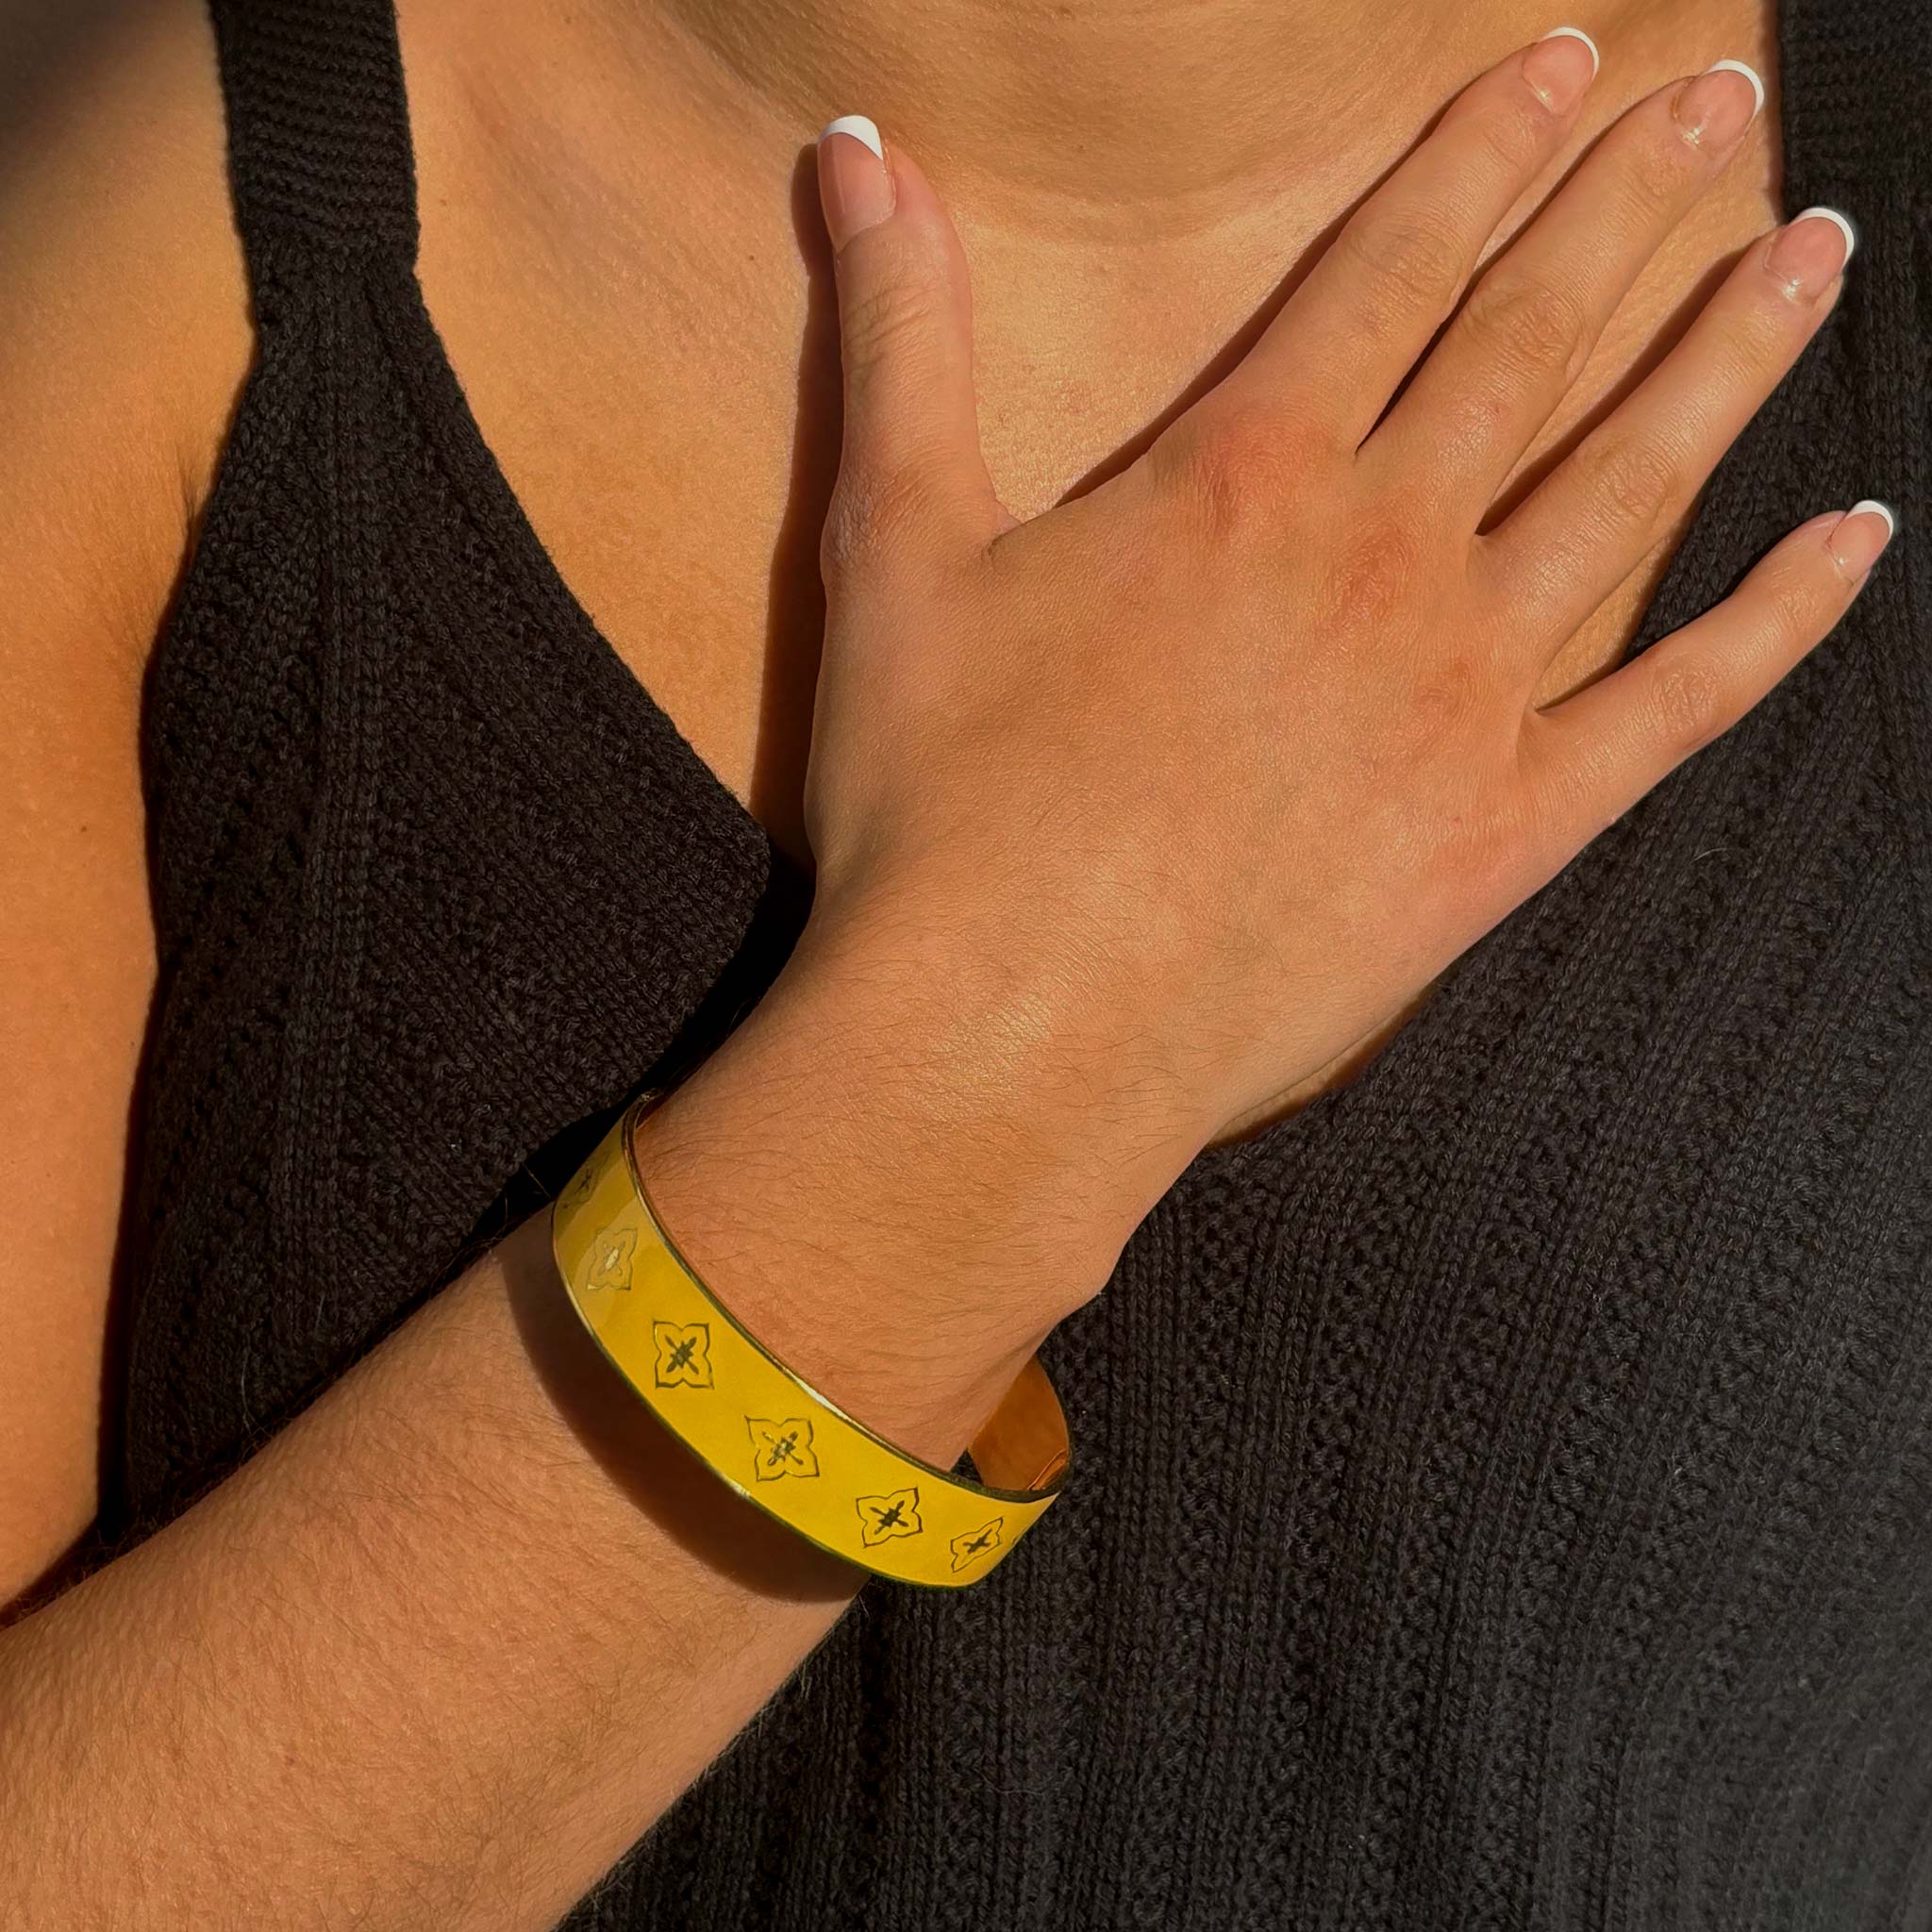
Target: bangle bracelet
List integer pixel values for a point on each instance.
(766, 1431)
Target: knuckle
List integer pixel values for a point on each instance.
(1530, 324)
(1448, 696)
(1795, 606)
(1635, 480)
(875, 514)
(1452, 689)
(1690, 702)
(1236, 472)
(1654, 172)
(1300, 443)
(1733, 355)
(1477, 849)
(889, 312)
(1490, 851)
(1513, 131)
(1410, 256)
(1370, 583)
(1759, 337)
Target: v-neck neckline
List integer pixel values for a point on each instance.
(1391, 1072)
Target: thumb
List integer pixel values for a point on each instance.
(912, 433)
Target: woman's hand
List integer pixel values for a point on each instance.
(1190, 783)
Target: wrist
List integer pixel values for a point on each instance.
(973, 1039)
(900, 1238)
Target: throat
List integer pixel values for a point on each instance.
(1126, 120)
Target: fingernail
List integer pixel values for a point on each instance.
(1716, 107)
(853, 182)
(1862, 533)
(1557, 69)
(1811, 250)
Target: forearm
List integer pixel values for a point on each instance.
(462, 1630)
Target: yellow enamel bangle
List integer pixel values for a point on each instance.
(765, 1430)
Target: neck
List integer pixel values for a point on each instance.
(1170, 113)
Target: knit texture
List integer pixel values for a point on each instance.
(1501, 1492)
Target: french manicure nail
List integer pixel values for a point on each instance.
(1554, 66)
(1862, 535)
(860, 128)
(1811, 250)
(1716, 107)
(1831, 214)
(1750, 74)
(853, 182)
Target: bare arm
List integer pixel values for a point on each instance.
(456, 1636)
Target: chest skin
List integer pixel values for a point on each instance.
(658, 377)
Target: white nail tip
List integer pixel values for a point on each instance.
(1831, 214)
(1883, 509)
(1577, 33)
(1750, 74)
(860, 128)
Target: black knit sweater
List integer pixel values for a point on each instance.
(1502, 1492)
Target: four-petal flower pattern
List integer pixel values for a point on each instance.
(684, 1355)
(782, 1447)
(884, 1517)
(611, 1257)
(975, 1543)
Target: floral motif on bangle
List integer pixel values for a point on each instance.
(782, 1447)
(579, 1190)
(684, 1355)
(972, 1544)
(885, 1517)
(611, 1257)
